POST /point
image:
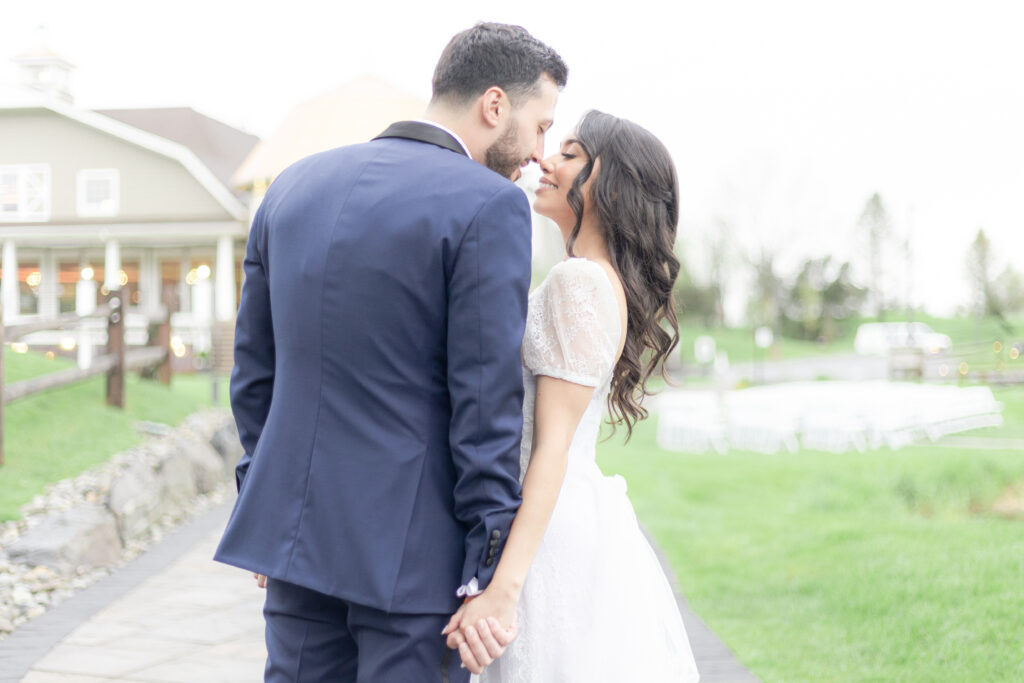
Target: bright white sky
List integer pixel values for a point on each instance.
(783, 117)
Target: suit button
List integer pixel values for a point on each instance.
(496, 534)
(489, 562)
(491, 553)
(494, 542)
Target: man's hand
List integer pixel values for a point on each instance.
(261, 580)
(482, 629)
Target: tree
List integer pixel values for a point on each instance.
(694, 301)
(878, 228)
(720, 247)
(766, 300)
(1009, 289)
(821, 296)
(979, 272)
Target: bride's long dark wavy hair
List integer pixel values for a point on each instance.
(636, 197)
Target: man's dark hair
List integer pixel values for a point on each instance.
(492, 54)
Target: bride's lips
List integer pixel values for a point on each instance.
(546, 184)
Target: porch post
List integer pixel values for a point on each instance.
(9, 289)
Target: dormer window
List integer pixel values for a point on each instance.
(99, 192)
(24, 193)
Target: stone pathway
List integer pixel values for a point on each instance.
(190, 620)
(176, 616)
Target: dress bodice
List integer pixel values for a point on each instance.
(572, 333)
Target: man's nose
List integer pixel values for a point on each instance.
(538, 151)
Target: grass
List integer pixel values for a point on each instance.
(60, 433)
(738, 342)
(856, 567)
(966, 330)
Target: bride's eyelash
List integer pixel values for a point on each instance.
(566, 155)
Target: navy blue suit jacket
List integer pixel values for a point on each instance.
(377, 385)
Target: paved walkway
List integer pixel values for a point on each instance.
(175, 616)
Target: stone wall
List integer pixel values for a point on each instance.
(81, 528)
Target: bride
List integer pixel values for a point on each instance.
(577, 580)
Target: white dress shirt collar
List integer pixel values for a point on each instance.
(451, 132)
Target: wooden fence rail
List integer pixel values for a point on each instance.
(114, 363)
(61, 322)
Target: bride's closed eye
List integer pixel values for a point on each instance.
(567, 156)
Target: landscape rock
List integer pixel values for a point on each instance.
(84, 536)
(208, 468)
(177, 483)
(225, 440)
(133, 499)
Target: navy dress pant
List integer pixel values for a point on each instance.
(312, 637)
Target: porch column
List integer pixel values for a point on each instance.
(225, 274)
(202, 313)
(49, 298)
(149, 283)
(112, 266)
(9, 290)
(85, 291)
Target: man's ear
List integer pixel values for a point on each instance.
(494, 106)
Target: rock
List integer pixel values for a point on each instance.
(134, 498)
(207, 466)
(21, 596)
(42, 578)
(225, 440)
(5, 625)
(177, 483)
(84, 536)
(154, 428)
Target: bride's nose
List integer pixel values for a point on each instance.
(547, 165)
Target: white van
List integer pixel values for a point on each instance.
(883, 338)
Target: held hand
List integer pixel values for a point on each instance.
(453, 624)
(483, 628)
(483, 644)
(261, 580)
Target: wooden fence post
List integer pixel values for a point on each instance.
(163, 337)
(115, 347)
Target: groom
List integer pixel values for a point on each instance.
(377, 383)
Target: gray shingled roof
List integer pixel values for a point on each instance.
(218, 145)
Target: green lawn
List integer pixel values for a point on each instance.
(966, 330)
(60, 433)
(738, 342)
(884, 566)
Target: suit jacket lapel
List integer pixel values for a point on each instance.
(423, 132)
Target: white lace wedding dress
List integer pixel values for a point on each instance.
(596, 606)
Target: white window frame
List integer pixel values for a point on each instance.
(86, 175)
(34, 193)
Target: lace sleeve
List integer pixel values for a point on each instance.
(573, 329)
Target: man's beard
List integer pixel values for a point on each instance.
(503, 156)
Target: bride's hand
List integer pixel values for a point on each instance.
(483, 628)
